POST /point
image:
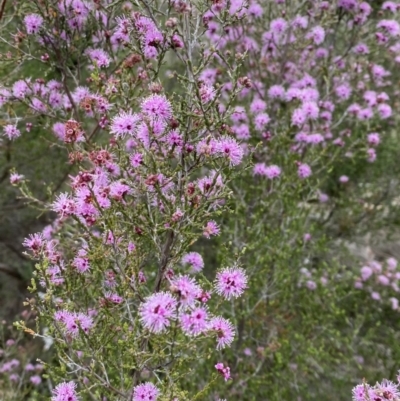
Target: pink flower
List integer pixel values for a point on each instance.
(33, 22)
(395, 303)
(81, 262)
(186, 288)
(310, 110)
(311, 285)
(118, 190)
(278, 26)
(136, 159)
(257, 106)
(391, 263)
(193, 259)
(74, 321)
(63, 205)
(229, 148)
(21, 89)
(99, 57)
(304, 170)
(270, 172)
(389, 389)
(65, 392)
(384, 110)
(261, 121)
(343, 91)
(11, 131)
(224, 330)
(207, 93)
(366, 273)
(145, 392)
(35, 380)
(362, 392)
(383, 280)
(298, 117)
(277, 92)
(373, 139)
(15, 178)
(317, 35)
(376, 296)
(195, 322)
(223, 370)
(231, 282)
(156, 106)
(391, 27)
(114, 298)
(124, 123)
(35, 242)
(210, 229)
(371, 153)
(157, 311)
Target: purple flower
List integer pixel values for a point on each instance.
(124, 123)
(231, 282)
(21, 89)
(210, 229)
(114, 298)
(304, 170)
(63, 205)
(136, 159)
(278, 26)
(35, 242)
(363, 392)
(186, 288)
(11, 131)
(81, 262)
(157, 311)
(257, 106)
(366, 273)
(145, 392)
(231, 149)
(224, 330)
(272, 172)
(225, 371)
(207, 93)
(391, 27)
(99, 57)
(343, 91)
(384, 110)
(35, 380)
(389, 389)
(73, 321)
(277, 92)
(156, 106)
(193, 259)
(255, 10)
(261, 121)
(298, 117)
(65, 392)
(390, 6)
(195, 322)
(317, 35)
(33, 22)
(118, 190)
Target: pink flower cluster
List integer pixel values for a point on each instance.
(381, 281)
(386, 390)
(184, 305)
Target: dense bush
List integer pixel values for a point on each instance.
(225, 158)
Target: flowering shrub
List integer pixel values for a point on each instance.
(212, 148)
